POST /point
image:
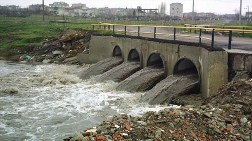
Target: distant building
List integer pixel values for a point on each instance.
(200, 16)
(3, 7)
(91, 12)
(13, 7)
(146, 12)
(59, 5)
(205, 16)
(79, 12)
(189, 15)
(249, 15)
(176, 10)
(79, 6)
(59, 8)
(36, 7)
(229, 17)
(62, 12)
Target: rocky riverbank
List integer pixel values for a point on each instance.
(227, 116)
(62, 49)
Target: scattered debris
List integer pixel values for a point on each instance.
(64, 48)
(235, 92)
(227, 116)
(204, 123)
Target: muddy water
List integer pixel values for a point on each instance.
(142, 80)
(171, 86)
(50, 102)
(120, 72)
(100, 67)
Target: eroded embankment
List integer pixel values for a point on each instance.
(61, 49)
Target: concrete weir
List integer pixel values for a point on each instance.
(210, 65)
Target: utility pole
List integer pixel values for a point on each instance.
(247, 16)
(43, 3)
(240, 15)
(193, 15)
(248, 12)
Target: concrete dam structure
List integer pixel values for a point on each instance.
(139, 55)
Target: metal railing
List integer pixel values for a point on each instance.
(222, 27)
(198, 31)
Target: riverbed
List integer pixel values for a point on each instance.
(49, 101)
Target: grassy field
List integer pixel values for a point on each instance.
(16, 32)
(28, 32)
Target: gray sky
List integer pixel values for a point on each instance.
(216, 6)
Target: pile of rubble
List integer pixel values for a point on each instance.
(204, 123)
(64, 48)
(235, 92)
(226, 116)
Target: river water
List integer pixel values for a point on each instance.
(50, 102)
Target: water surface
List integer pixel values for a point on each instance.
(50, 102)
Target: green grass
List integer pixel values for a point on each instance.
(16, 32)
(26, 31)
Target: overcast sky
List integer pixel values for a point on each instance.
(216, 6)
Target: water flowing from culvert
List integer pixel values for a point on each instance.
(101, 67)
(142, 80)
(120, 72)
(50, 102)
(170, 87)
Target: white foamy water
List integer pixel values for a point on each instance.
(50, 102)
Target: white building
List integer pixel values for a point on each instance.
(248, 15)
(91, 12)
(79, 6)
(64, 12)
(176, 10)
(59, 5)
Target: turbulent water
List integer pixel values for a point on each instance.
(101, 67)
(50, 102)
(120, 72)
(171, 86)
(142, 80)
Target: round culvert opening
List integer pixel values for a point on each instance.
(155, 61)
(117, 52)
(134, 56)
(186, 67)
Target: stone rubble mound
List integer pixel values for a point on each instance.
(235, 92)
(226, 116)
(64, 48)
(204, 123)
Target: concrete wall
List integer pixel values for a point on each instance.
(212, 66)
(240, 62)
